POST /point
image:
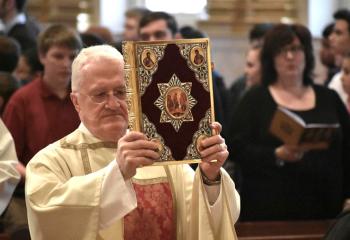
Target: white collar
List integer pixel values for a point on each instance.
(84, 130)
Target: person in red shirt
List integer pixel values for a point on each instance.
(41, 112)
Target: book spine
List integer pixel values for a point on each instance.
(210, 82)
(130, 76)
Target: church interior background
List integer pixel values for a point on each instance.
(226, 22)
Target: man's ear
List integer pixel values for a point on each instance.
(74, 99)
(41, 57)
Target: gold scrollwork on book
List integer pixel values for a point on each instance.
(150, 131)
(196, 58)
(203, 132)
(148, 57)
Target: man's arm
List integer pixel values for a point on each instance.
(113, 187)
(14, 119)
(214, 220)
(9, 177)
(216, 199)
(214, 154)
(213, 151)
(72, 204)
(96, 200)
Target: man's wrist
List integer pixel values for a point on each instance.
(210, 182)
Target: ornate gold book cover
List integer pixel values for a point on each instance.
(169, 95)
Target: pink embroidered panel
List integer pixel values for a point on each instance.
(153, 218)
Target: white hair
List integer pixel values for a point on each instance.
(88, 55)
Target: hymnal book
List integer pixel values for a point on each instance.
(169, 95)
(291, 129)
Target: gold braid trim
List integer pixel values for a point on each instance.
(83, 147)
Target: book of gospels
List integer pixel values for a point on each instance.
(291, 129)
(169, 95)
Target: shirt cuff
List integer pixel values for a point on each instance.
(118, 197)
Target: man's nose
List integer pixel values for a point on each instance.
(246, 70)
(290, 54)
(112, 102)
(67, 61)
(331, 37)
(152, 38)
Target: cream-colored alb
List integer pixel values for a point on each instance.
(66, 195)
(9, 177)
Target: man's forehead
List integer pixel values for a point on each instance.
(95, 68)
(107, 83)
(131, 21)
(104, 83)
(62, 48)
(103, 62)
(157, 25)
(341, 24)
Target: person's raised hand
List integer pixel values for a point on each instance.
(213, 151)
(135, 150)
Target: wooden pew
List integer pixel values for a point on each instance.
(283, 230)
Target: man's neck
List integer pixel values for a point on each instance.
(339, 59)
(60, 90)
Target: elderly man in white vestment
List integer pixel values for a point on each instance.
(9, 176)
(93, 184)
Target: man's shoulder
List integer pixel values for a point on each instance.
(319, 89)
(335, 81)
(33, 25)
(57, 148)
(257, 92)
(24, 35)
(28, 92)
(238, 85)
(336, 85)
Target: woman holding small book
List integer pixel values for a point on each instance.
(282, 181)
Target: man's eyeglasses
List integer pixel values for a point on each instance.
(294, 49)
(103, 97)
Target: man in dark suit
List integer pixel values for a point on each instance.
(17, 24)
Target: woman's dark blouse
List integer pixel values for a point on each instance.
(313, 188)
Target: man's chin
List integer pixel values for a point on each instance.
(116, 127)
(112, 134)
(113, 118)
